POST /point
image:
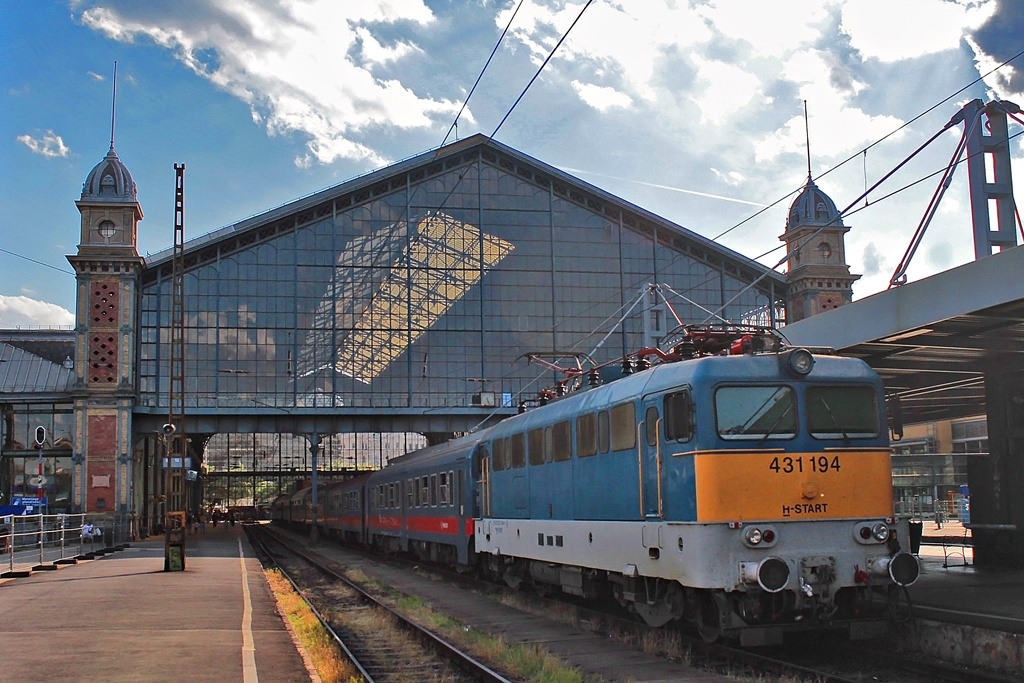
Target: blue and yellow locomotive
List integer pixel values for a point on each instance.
(750, 493)
(733, 483)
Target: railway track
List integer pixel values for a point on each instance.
(382, 644)
(808, 658)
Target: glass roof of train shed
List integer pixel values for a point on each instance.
(417, 289)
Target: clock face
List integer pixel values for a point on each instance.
(825, 249)
(106, 229)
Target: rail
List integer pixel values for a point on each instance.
(39, 542)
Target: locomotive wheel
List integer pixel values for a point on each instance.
(667, 606)
(709, 619)
(513, 577)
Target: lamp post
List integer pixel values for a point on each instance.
(165, 433)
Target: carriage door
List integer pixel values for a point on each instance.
(482, 470)
(649, 436)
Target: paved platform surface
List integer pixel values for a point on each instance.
(951, 584)
(122, 618)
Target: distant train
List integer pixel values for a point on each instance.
(734, 483)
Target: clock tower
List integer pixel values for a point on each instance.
(819, 278)
(107, 268)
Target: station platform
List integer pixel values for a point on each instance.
(952, 588)
(120, 617)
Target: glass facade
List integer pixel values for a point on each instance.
(422, 286)
(20, 464)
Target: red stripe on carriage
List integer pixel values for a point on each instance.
(382, 522)
(435, 525)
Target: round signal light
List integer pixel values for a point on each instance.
(880, 531)
(753, 536)
(768, 536)
(865, 533)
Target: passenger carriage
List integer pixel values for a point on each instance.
(425, 504)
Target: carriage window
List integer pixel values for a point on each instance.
(411, 494)
(603, 432)
(842, 412)
(537, 447)
(678, 417)
(755, 412)
(425, 492)
(499, 460)
(651, 426)
(623, 427)
(517, 446)
(586, 435)
(433, 489)
(443, 499)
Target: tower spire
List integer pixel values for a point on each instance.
(807, 134)
(113, 106)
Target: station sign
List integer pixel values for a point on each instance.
(28, 501)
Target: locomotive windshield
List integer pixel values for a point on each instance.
(842, 412)
(765, 412)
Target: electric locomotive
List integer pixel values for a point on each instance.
(736, 484)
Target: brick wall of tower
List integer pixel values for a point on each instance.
(102, 463)
(103, 332)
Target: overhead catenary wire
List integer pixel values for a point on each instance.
(465, 102)
(541, 68)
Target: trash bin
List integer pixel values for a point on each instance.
(174, 543)
(916, 531)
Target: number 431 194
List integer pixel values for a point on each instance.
(811, 463)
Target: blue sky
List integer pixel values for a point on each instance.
(692, 110)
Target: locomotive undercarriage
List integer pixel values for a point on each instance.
(753, 616)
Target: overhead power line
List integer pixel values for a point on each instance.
(455, 123)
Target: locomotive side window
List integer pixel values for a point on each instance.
(603, 432)
(536, 449)
(517, 445)
(561, 441)
(586, 435)
(678, 417)
(842, 412)
(498, 459)
(623, 427)
(765, 412)
(651, 426)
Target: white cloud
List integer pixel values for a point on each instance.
(601, 98)
(21, 311)
(50, 145)
(306, 67)
(892, 31)
(770, 28)
(724, 83)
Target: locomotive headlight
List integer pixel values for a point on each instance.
(752, 536)
(880, 532)
(801, 361)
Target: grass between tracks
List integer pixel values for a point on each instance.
(519, 662)
(331, 665)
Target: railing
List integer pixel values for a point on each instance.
(43, 541)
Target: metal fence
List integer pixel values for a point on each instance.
(29, 542)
